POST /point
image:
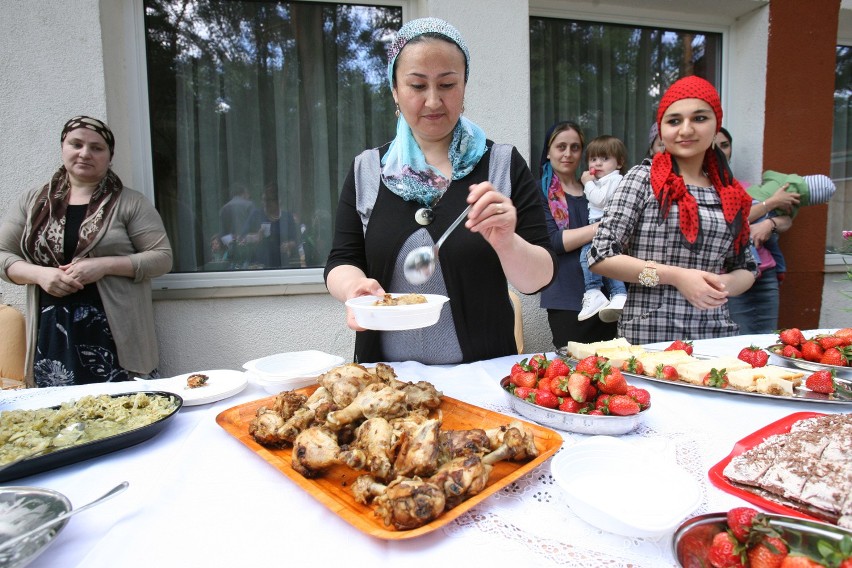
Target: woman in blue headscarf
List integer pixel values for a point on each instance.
(406, 193)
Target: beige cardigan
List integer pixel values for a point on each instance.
(136, 230)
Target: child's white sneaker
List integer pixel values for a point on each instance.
(612, 312)
(593, 302)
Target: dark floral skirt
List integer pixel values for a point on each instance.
(75, 346)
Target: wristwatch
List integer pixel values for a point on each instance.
(649, 277)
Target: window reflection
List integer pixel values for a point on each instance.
(257, 109)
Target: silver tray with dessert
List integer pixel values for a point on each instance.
(681, 368)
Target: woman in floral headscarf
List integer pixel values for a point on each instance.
(86, 247)
(677, 228)
(406, 193)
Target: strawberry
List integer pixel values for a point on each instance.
(557, 368)
(545, 398)
(543, 384)
(835, 356)
(559, 386)
(679, 345)
(591, 392)
(716, 378)
(525, 379)
(791, 561)
(791, 352)
(754, 356)
(845, 334)
(523, 392)
(792, 336)
(641, 396)
(538, 363)
(520, 367)
(768, 553)
(602, 401)
(666, 372)
(610, 380)
(623, 405)
(593, 171)
(821, 381)
(570, 405)
(740, 520)
(811, 351)
(578, 384)
(722, 553)
(633, 365)
(694, 544)
(595, 412)
(829, 341)
(590, 365)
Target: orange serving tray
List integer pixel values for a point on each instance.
(332, 489)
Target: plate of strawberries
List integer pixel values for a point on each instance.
(830, 351)
(590, 397)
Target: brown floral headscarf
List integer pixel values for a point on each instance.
(44, 231)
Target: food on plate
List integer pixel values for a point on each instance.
(680, 345)
(578, 350)
(754, 356)
(403, 300)
(807, 469)
(196, 380)
(747, 372)
(745, 537)
(825, 348)
(25, 433)
(594, 387)
(391, 431)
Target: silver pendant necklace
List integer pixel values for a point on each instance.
(424, 216)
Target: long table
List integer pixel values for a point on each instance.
(198, 497)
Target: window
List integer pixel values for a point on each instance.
(257, 109)
(840, 206)
(609, 78)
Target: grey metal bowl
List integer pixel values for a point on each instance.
(23, 509)
(701, 529)
(570, 422)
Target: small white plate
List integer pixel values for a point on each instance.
(396, 318)
(221, 383)
(290, 370)
(611, 486)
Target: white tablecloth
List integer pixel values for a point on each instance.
(199, 497)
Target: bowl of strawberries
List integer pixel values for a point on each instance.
(591, 397)
(830, 351)
(746, 537)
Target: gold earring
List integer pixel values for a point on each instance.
(397, 110)
(713, 144)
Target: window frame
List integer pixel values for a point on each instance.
(204, 284)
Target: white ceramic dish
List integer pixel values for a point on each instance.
(221, 384)
(395, 318)
(292, 370)
(23, 509)
(644, 497)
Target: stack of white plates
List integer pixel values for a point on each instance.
(291, 370)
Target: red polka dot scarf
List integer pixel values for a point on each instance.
(668, 184)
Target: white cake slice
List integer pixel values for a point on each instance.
(578, 350)
(650, 359)
(617, 355)
(695, 371)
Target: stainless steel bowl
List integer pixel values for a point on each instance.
(23, 509)
(697, 533)
(570, 422)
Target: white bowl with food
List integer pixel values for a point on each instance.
(395, 312)
(290, 370)
(644, 497)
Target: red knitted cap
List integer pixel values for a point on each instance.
(691, 87)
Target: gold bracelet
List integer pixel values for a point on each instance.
(765, 208)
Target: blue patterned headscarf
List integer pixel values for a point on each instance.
(404, 168)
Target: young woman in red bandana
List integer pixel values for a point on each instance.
(677, 228)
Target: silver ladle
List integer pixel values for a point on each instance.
(111, 493)
(420, 263)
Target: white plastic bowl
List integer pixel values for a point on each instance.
(643, 497)
(395, 318)
(291, 370)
